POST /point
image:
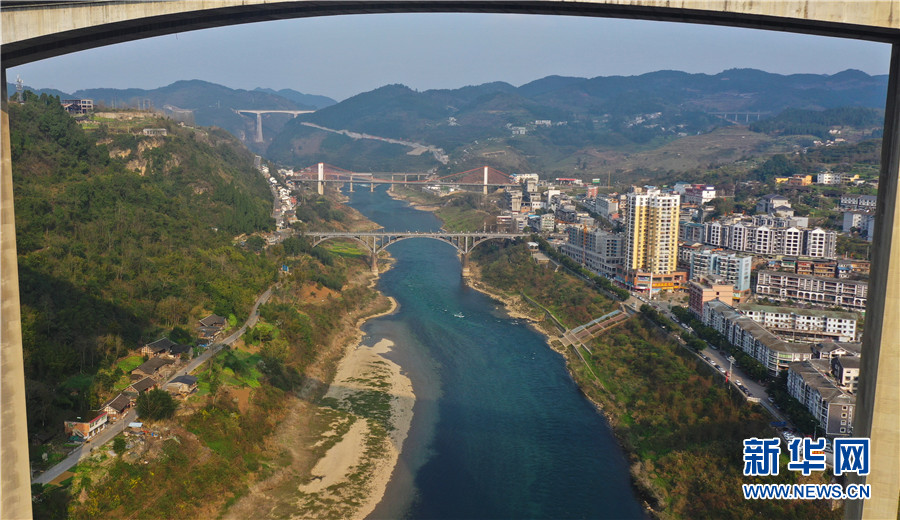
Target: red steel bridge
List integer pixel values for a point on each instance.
(323, 173)
(375, 242)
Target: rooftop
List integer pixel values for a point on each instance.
(813, 373)
(796, 310)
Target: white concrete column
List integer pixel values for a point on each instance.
(15, 478)
(485, 179)
(320, 186)
(878, 398)
(259, 134)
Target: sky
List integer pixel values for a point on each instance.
(340, 56)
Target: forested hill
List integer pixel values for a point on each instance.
(123, 238)
(556, 124)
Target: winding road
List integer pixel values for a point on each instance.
(119, 426)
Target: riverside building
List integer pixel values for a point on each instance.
(651, 241)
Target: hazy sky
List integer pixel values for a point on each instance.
(344, 55)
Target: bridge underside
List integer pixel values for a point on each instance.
(34, 33)
(46, 29)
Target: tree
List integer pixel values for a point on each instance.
(256, 243)
(119, 445)
(156, 404)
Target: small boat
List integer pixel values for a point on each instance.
(459, 315)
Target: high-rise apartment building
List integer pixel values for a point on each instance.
(651, 223)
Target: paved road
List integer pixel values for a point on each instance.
(717, 357)
(119, 426)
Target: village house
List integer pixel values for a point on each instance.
(155, 367)
(85, 431)
(158, 348)
(182, 385)
(210, 327)
(116, 407)
(176, 351)
(144, 385)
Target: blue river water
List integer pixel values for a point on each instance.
(500, 430)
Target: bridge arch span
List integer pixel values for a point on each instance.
(325, 238)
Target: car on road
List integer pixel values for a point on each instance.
(771, 400)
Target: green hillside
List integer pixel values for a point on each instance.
(122, 241)
(564, 125)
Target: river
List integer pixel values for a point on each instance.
(500, 429)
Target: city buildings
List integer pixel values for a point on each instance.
(744, 235)
(599, 251)
(858, 202)
(771, 351)
(829, 404)
(651, 239)
(774, 204)
(795, 324)
(704, 290)
(730, 267)
(826, 292)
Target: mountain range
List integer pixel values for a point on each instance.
(554, 123)
(545, 124)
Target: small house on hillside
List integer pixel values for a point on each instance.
(213, 320)
(176, 351)
(85, 431)
(158, 348)
(145, 384)
(182, 385)
(155, 367)
(116, 408)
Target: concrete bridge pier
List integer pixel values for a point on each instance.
(320, 186)
(391, 185)
(485, 179)
(15, 480)
(373, 260)
(878, 398)
(372, 186)
(464, 260)
(259, 134)
(351, 185)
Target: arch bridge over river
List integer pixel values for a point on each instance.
(375, 241)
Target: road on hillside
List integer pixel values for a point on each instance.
(720, 358)
(119, 426)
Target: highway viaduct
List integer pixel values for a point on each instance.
(259, 113)
(50, 28)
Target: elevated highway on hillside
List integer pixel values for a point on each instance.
(259, 114)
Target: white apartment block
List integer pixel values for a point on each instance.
(771, 351)
(829, 404)
(699, 194)
(858, 202)
(803, 324)
(829, 178)
(743, 236)
(732, 268)
(827, 292)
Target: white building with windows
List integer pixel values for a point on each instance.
(730, 267)
(795, 324)
(830, 405)
(827, 292)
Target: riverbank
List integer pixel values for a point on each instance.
(413, 202)
(343, 432)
